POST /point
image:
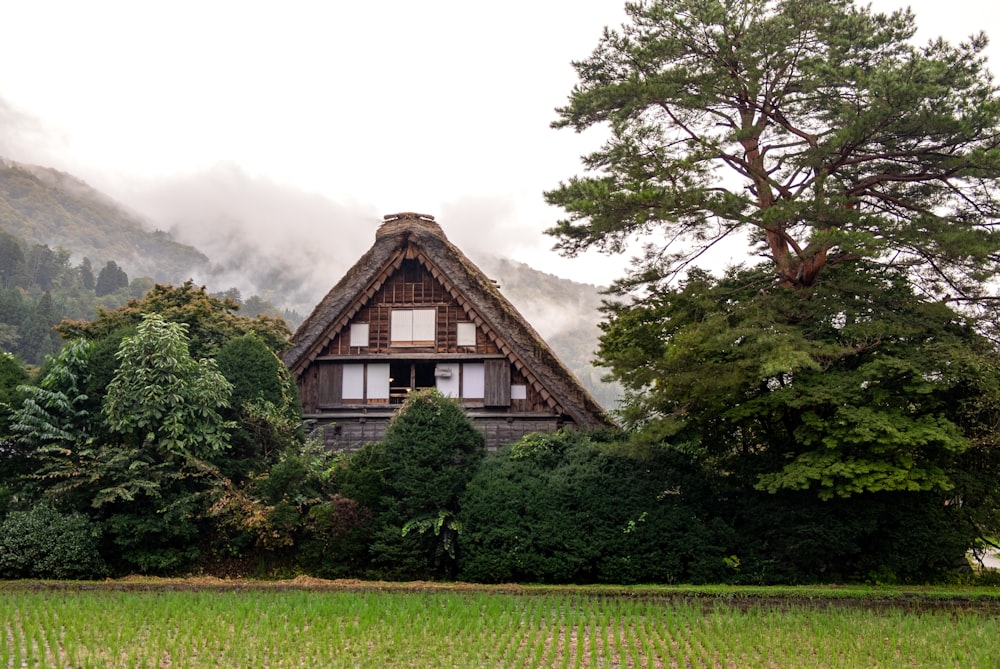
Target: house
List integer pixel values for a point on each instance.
(414, 313)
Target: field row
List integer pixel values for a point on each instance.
(447, 629)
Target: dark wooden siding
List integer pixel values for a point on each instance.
(497, 383)
(330, 384)
(350, 434)
(396, 293)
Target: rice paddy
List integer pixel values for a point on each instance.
(163, 627)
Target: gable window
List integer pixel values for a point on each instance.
(466, 334)
(413, 327)
(359, 334)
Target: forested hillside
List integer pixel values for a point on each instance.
(44, 206)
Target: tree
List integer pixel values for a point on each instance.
(816, 127)
(86, 272)
(11, 260)
(862, 387)
(162, 398)
(153, 479)
(265, 405)
(210, 321)
(37, 338)
(861, 168)
(111, 279)
(411, 482)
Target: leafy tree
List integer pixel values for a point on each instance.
(265, 405)
(37, 338)
(155, 483)
(162, 398)
(140, 286)
(52, 417)
(210, 321)
(861, 167)
(816, 127)
(43, 267)
(862, 387)
(111, 279)
(411, 482)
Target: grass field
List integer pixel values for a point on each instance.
(170, 626)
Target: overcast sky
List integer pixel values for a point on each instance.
(293, 121)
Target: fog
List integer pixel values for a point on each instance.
(291, 246)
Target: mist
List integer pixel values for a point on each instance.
(263, 237)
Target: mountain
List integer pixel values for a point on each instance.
(44, 206)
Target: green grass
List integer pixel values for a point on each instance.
(92, 626)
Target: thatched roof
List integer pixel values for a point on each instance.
(409, 235)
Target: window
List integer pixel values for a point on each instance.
(359, 334)
(378, 382)
(366, 383)
(473, 380)
(466, 334)
(518, 391)
(407, 375)
(354, 382)
(413, 327)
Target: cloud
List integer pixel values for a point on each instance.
(262, 236)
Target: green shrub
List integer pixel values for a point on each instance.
(44, 543)
(414, 476)
(888, 537)
(560, 508)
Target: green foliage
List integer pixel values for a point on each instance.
(562, 508)
(210, 321)
(111, 279)
(44, 543)
(887, 537)
(418, 471)
(44, 206)
(164, 399)
(818, 128)
(852, 385)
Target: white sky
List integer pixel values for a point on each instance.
(440, 106)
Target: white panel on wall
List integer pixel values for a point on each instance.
(466, 334)
(447, 379)
(354, 382)
(424, 321)
(401, 325)
(378, 381)
(473, 380)
(359, 334)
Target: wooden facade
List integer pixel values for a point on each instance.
(415, 313)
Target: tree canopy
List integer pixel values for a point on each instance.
(818, 128)
(862, 168)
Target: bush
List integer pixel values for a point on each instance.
(410, 482)
(44, 543)
(560, 508)
(888, 537)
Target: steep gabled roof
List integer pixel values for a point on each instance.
(409, 235)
